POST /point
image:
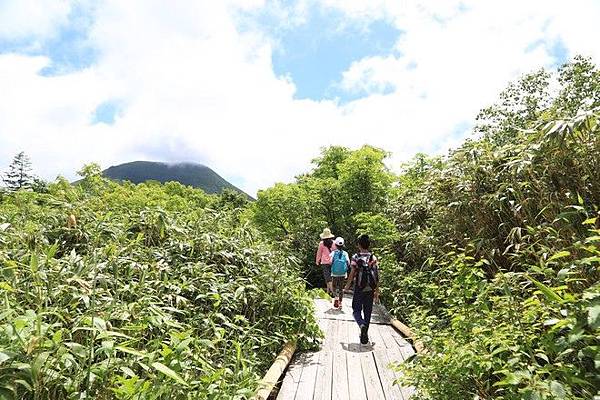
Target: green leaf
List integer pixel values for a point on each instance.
(4, 357)
(77, 349)
(557, 389)
(33, 262)
(547, 291)
(52, 250)
(128, 372)
(7, 393)
(6, 286)
(543, 357)
(594, 316)
(560, 254)
(169, 372)
(551, 321)
(25, 384)
(131, 351)
(532, 395)
(510, 379)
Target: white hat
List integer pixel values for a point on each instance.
(326, 234)
(339, 241)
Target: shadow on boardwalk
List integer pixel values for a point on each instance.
(343, 369)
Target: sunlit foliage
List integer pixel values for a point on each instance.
(157, 292)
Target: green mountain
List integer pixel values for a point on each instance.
(191, 174)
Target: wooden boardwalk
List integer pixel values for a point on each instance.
(344, 370)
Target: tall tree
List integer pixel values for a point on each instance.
(19, 173)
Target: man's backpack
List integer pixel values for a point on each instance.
(367, 274)
(339, 265)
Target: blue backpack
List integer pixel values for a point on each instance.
(339, 265)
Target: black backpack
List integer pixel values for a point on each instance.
(367, 274)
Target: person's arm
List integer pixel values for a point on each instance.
(330, 257)
(351, 276)
(319, 252)
(376, 292)
(350, 279)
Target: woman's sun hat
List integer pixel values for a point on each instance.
(339, 241)
(327, 234)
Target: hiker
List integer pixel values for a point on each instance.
(365, 275)
(326, 246)
(340, 263)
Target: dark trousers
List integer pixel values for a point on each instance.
(338, 286)
(362, 307)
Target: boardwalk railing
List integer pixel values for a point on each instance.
(406, 331)
(268, 382)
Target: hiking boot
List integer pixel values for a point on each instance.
(340, 304)
(364, 337)
(336, 303)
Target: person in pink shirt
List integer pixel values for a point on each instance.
(323, 258)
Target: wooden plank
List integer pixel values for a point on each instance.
(387, 376)
(406, 349)
(324, 376)
(321, 305)
(388, 333)
(292, 379)
(323, 324)
(343, 336)
(408, 392)
(376, 337)
(402, 341)
(395, 355)
(340, 376)
(352, 333)
(379, 315)
(332, 342)
(371, 376)
(306, 386)
(327, 331)
(356, 389)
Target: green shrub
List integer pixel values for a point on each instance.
(500, 250)
(150, 296)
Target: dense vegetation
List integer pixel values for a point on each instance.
(188, 174)
(491, 253)
(157, 291)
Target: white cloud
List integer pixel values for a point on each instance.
(32, 19)
(454, 58)
(193, 87)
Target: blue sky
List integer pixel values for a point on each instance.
(67, 48)
(254, 88)
(315, 54)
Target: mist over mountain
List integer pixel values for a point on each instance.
(187, 173)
